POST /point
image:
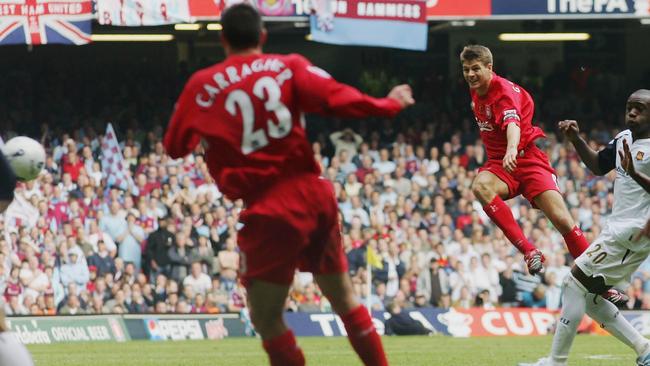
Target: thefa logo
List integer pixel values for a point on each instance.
(639, 155)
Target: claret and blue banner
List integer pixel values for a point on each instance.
(396, 23)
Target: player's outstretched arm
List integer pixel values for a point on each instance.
(589, 156)
(628, 164)
(319, 93)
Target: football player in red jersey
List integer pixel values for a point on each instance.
(515, 165)
(249, 112)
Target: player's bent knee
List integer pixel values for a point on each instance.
(483, 187)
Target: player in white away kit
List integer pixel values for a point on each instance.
(620, 249)
(12, 352)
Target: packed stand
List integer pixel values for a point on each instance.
(168, 243)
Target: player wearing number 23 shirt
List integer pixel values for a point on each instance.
(249, 112)
(249, 109)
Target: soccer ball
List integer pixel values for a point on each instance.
(26, 157)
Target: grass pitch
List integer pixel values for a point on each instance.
(438, 350)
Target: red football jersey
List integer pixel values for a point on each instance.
(504, 103)
(249, 110)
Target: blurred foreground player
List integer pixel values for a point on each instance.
(12, 352)
(504, 114)
(619, 250)
(7, 184)
(248, 110)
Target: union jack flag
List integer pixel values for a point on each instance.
(45, 21)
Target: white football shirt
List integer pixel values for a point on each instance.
(631, 202)
(12, 352)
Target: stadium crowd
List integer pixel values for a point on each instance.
(168, 243)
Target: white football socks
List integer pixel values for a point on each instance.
(573, 310)
(576, 301)
(610, 318)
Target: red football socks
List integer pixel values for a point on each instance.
(284, 351)
(501, 215)
(364, 338)
(576, 242)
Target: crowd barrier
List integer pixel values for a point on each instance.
(450, 322)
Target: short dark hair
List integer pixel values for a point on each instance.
(476, 52)
(242, 26)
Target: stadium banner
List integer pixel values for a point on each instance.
(498, 322)
(136, 13)
(37, 22)
(571, 8)
(330, 324)
(395, 24)
(47, 330)
(435, 9)
(188, 327)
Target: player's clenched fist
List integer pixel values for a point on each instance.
(510, 160)
(570, 129)
(403, 94)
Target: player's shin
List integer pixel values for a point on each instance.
(573, 309)
(284, 351)
(501, 215)
(610, 318)
(363, 337)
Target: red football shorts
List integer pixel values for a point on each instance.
(533, 175)
(292, 225)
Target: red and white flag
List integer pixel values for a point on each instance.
(114, 168)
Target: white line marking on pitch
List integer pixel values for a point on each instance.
(604, 357)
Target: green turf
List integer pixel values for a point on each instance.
(497, 351)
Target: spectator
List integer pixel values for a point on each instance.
(102, 260)
(74, 270)
(433, 283)
(400, 323)
(204, 254)
(130, 247)
(72, 306)
(508, 296)
(198, 281)
(158, 245)
(179, 258)
(229, 263)
(97, 235)
(346, 140)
